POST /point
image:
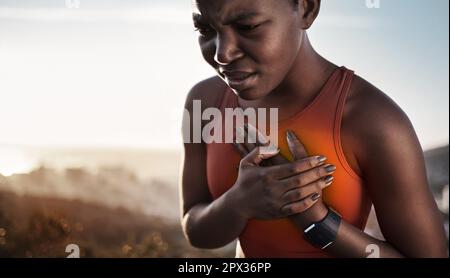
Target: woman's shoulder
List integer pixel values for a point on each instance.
(373, 123)
(367, 105)
(209, 91)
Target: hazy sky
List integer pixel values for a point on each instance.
(116, 73)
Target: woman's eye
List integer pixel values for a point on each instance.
(204, 31)
(248, 27)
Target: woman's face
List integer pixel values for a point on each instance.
(251, 44)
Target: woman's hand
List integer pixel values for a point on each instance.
(278, 191)
(252, 134)
(303, 199)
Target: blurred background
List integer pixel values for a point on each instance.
(91, 100)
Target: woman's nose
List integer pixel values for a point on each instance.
(227, 49)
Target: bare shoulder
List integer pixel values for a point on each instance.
(208, 91)
(371, 121)
(391, 158)
(367, 106)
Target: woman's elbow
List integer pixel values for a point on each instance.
(200, 241)
(195, 237)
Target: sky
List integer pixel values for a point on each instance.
(112, 73)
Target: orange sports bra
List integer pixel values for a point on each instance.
(320, 133)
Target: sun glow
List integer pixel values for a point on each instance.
(15, 161)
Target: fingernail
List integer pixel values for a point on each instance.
(269, 150)
(315, 196)
(291, 135)
(329, 180)
(330, 169)
(262, 139)
(321, 159)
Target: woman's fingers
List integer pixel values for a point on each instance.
(258, 155)
(246, 138)
(279, 160)
(294, 168)
(256, 136)
(300, 206)
(241, 137)
(300, 193)
(262, 140)
(296, 147)
(241, 149)
(307, 177)
(250, 138)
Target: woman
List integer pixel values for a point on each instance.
(363, 149)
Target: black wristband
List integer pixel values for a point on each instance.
(322, 234)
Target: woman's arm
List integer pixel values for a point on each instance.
(394, 173)
(209, 223)
(392, 163)
(255, 195)
(350, 241)
(206, 223)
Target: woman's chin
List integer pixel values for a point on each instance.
(249, 94)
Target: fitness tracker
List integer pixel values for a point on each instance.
(322, 234)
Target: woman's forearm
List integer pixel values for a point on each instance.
(354, 243)
(350, 242)
(214, 225)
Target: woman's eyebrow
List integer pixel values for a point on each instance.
(240, 16)
(244, 15)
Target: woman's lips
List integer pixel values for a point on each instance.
(239, 80)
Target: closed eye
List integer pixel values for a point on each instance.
(204, 30)
(247, 28)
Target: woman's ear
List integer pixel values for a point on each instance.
(309, 10)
